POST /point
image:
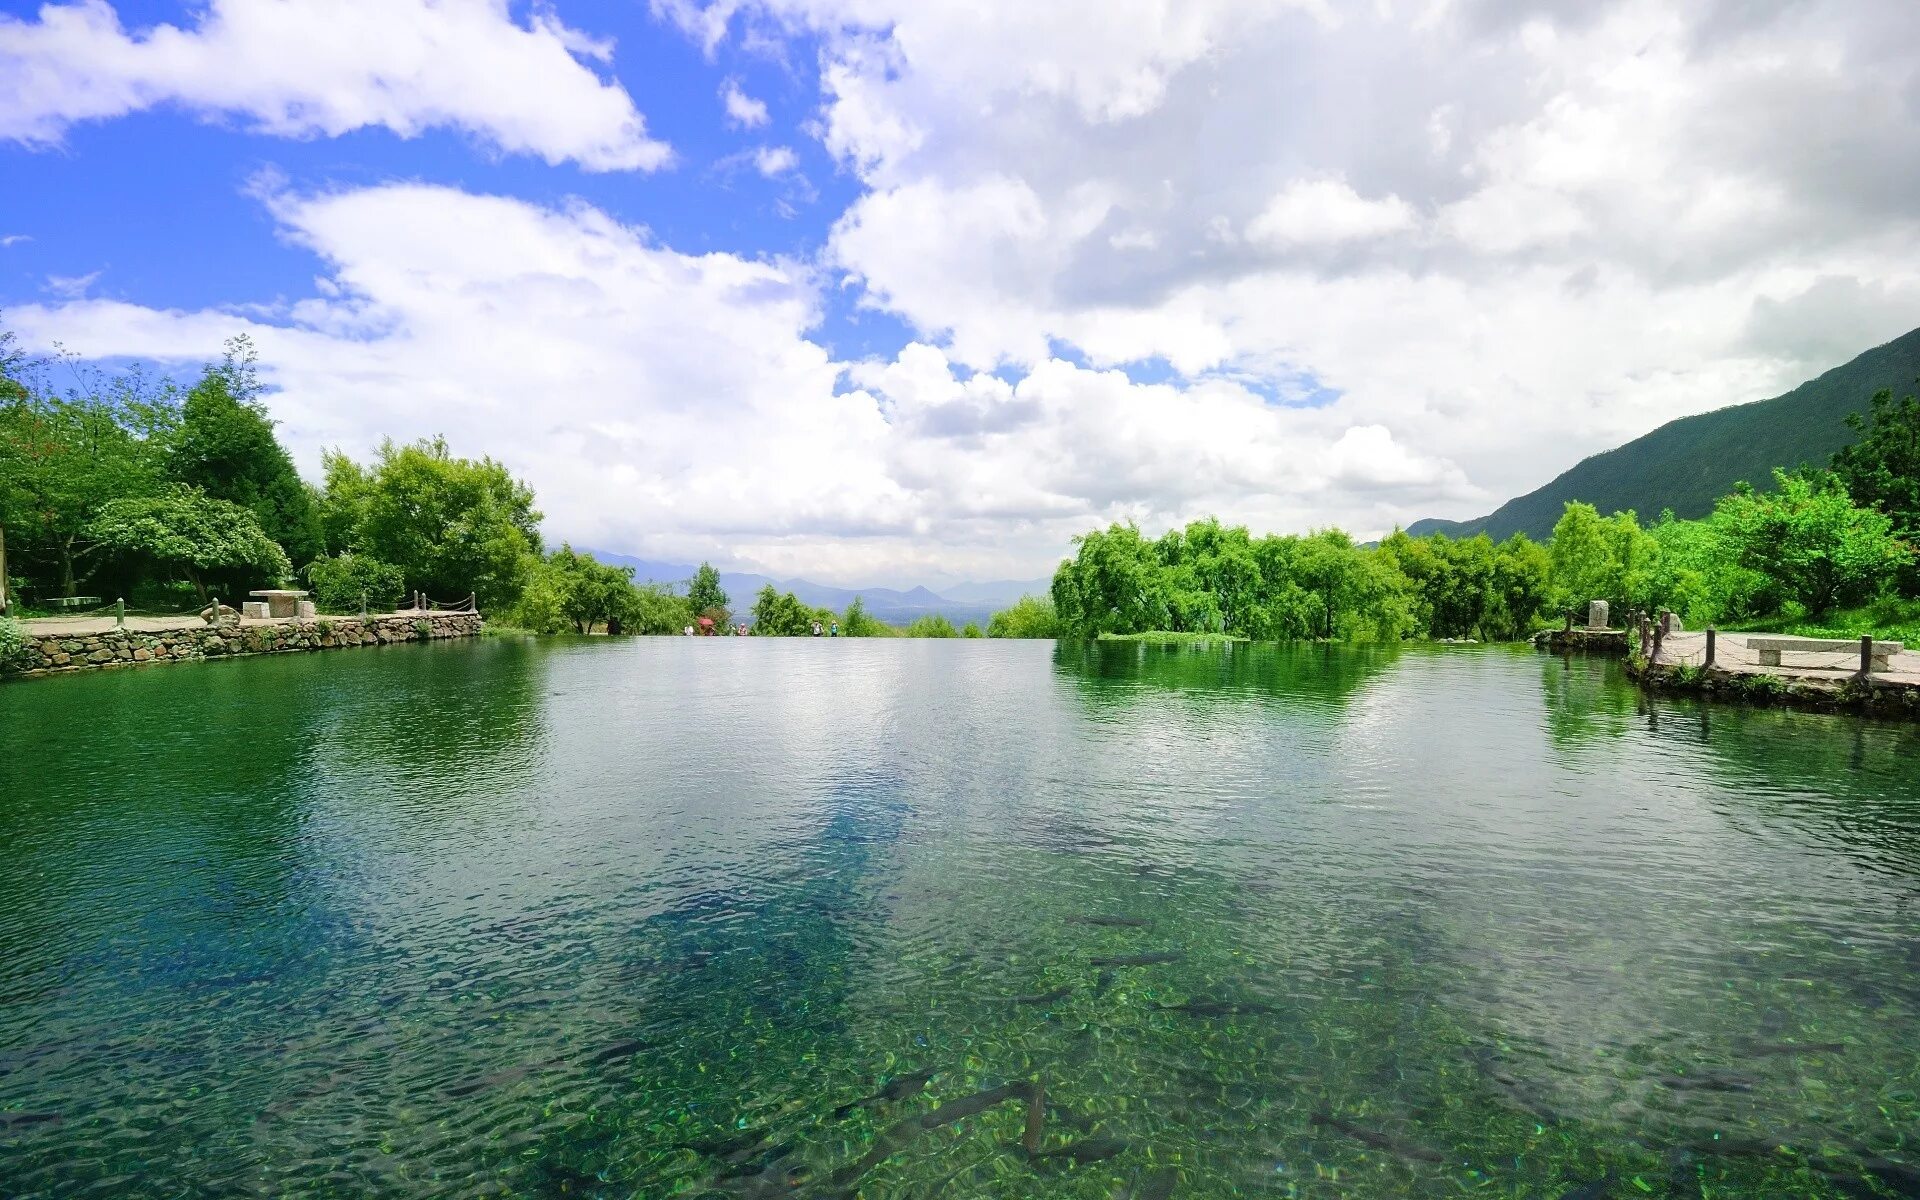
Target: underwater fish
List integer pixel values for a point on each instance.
(1377, 1140)
(1791, 1049)
(1114, 922)
(1708, 1081)
(967, 1106)
(624, 1048)
(900, 1087)
(1052, 997)
(1101, 983)
(1139, 960)
(1035, 1133)
(1218, 1008)
(27, 1120)
(1089, 1150)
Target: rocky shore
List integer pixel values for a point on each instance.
(48, 653)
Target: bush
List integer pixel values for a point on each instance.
(1030, 617)
(935, 626)
(13, 639)
(339, 581)
(970, 630)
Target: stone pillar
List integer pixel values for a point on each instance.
(1597, 614)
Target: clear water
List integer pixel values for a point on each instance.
(652, 918)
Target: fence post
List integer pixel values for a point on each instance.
(1709, 661)
(1866, 655)
(363, 606)
(120, 613)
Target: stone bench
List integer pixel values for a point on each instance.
(1770, 649)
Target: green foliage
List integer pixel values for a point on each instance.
(1596, 558)
(184, 527)
(342, 582)
(13, 636)
(1809, 537)
(452, 525)
(705, 595)
(931, 626)
(1688, 464)
(1881, 470)
(858, 622)
(225, 446)
(1030, 617)
(971, 630)
(781, 614)
(64, 455)
(573, 592)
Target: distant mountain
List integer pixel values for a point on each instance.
(888, 604)
(1000, 593)
(1687, 464)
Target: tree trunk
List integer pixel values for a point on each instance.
(3, 570)
(67, 586)
(199, 586)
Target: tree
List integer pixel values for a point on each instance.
(1808, 536)
(705, 595)
(653, 608)
(970, 630)
(452, 525)
(184, 527)
(1596, 558)
(1030, 617)
(781, 614)
(64, 456)
(341, 583)
(858, 622)
(225, 446)
(932, 626)
(1114, 583)
(1356, 591)
(1882, 469)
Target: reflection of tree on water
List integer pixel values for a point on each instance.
(1585, 699)
(1221, 672)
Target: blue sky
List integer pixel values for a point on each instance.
(987, 273)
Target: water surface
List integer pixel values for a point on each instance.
(904, 918)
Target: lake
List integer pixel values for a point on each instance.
(908, 918)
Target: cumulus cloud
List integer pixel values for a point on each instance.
(774, 161)
(1327, 211)
(306, 68)
(742, 110)
(1510, 232)
(675, 405)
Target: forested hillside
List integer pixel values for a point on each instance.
(1686, 465)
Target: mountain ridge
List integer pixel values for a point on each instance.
(1688, 463)
(977, 601)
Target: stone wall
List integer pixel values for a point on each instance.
(78, 652)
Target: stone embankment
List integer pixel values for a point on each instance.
(46, 653)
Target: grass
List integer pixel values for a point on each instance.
(1163, 637)
(1887, 620)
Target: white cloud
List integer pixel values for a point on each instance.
(743, 110)
(1512, 234)
(773, 161)
(674, 405)
(305, 68)
(71, 287)
(1313, 212)
(14, 239)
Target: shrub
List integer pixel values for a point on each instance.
(13, 639)
(934, 626)
(339, 581)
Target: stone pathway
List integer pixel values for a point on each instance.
(1732, 654)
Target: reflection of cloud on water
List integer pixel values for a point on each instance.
(1589, 897)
